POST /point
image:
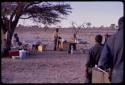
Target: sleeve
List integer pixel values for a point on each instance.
(88, 60)
(17, 39)
(105, 57)
(53, 34)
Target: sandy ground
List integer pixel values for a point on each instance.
(46, 67)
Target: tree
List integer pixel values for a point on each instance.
(88, 24)
(102, 26)
(42, 12)
(116, 27)
(113, 26)
(76, 28)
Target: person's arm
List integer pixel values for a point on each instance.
(54, 34)
(105, 57)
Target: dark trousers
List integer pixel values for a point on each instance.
(89, 76)
(55, 43)
(70, 45)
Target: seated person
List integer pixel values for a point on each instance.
(61, 42)
(37, 44)
(15, 41)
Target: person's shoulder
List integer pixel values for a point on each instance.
(112, 36)
(97, 46)
(92, 48)
(111, 39)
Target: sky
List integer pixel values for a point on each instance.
(97, 12)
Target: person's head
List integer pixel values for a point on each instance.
(98, 38)
(57, 29)
(15, 35)
(120, 23)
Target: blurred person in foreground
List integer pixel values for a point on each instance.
(112, 55)
(93, 57)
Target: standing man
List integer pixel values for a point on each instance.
(56, 40)
(72, 43)
(112, 55)
(93, 57)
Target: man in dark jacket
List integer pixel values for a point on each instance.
(56, 39)
(112, 55)
(92, 59)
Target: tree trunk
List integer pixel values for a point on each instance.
(10, 33)
(9, 38)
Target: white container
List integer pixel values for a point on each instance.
(22, 54)
(71, 49)
(40, 48)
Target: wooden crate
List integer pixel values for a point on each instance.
(66, 46)
(99, 76)
(41, 48)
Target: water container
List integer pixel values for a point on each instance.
(71, 49)
(22, 54)
(40, 48)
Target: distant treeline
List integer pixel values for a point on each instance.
(68, 29)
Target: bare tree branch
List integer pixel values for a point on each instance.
(76, 28)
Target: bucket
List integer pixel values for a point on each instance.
(22, 54)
